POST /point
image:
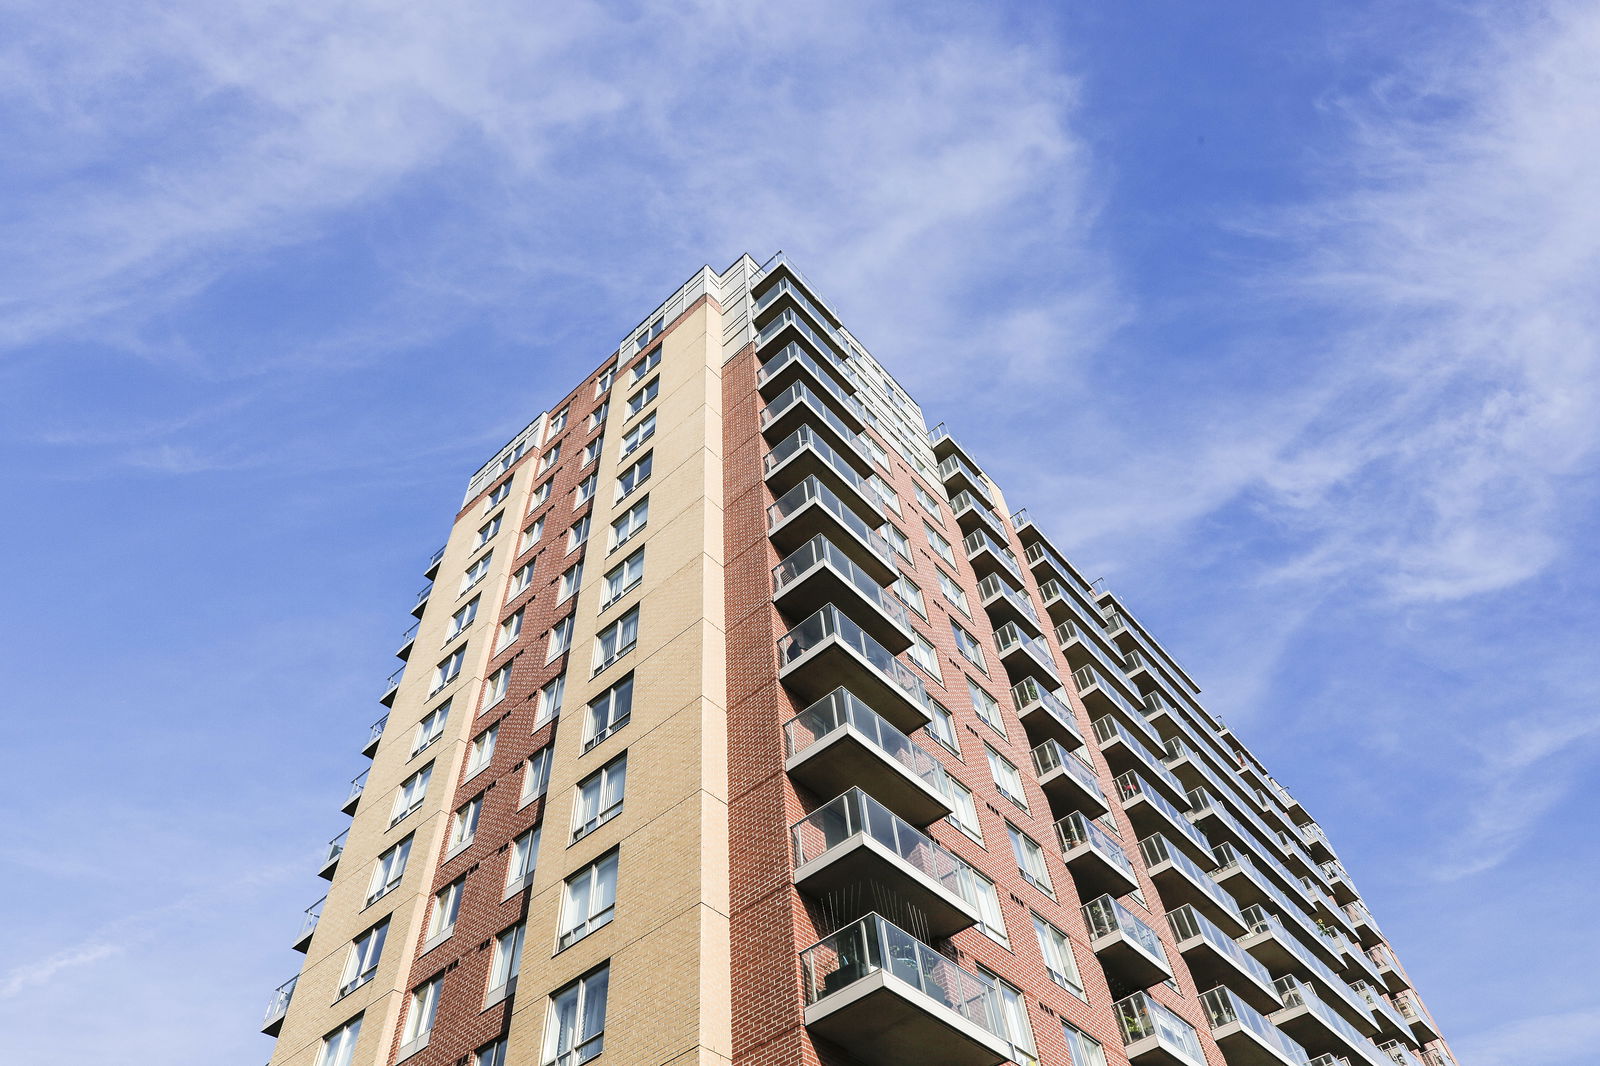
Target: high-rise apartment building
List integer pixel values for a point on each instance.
(745, 721)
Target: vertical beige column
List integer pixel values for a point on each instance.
(668, 946)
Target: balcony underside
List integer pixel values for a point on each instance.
(882, 1021)
(1211, 966)
(1131, 964)
(1096, 875)
(821, 585)
(1066, 794)
(808, 461)
(1042, 724)
(1242, 1047)
(845, 759)
(859, 876)
(831, 664)
(814, 518)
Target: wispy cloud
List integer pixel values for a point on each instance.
(43, 971)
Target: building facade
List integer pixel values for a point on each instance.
(744, 721)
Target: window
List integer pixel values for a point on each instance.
(560, 638)
(940, 546)
(943, 727)
(608, 712)
(1058, 957)
(603, 382)
(487, 531)
(550, 699)
(637, 401)
(481, 751)
(1084, 1049)
(464, 825)
(531, 535)
(501, 491)
(446, 908)
(419, 1016)
(590, 900)
(361, 965)
(897, 540)
(616, 639)
(495, 689)
(638, 370)
(449, 669)
(875, 450)
(390, 869)
(631, 521)
(1006, 778)
(599, 797)
(1030, 860)
(522, 861)
(506, 962)
(1014, 1012)
(585, 490)
(986, 706)
(536, 776)
(923, 654)
(575, 1031)
(591, 452)
(549, 459)
(558, 422)
(598, 418)
(929, 504)
(570, 582)
(964, 810)
(910, 595)
(578, 534)
(462, 619)
(491, 1054)
(990, 918)
(635, 475)
(431, 728)
(339, 1046)
(510, 630)
(411, 793)
(520, 581)
(636, 436)
(540, 495)
(954, 592)
(889, 497)
(623, 578)
(476, 572)
(969, 647)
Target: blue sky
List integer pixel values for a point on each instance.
(1281, 317)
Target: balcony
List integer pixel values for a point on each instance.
(278, 1006)
(1025, 657)
(308, 926)
(1394, 978)
(1124, 750)
(1214, 957)
(795, 293)
(433, 564)
(989, 556)
(958, 476)
(804, 454)
(811, 509)
(1220, 826)
(1363, 923)
(375, 734)
(1339, 884)
(352, 798)
(1154, 1036)
(1181, 881)
(1125, 946)
(819, 573)
(840, 743)
(1398, 1053)
(1007, 604)
(1318, 1026)
(798, 406)
(1068, 780)
(1120, 622)
(973, 514)
(1271, 941)
(889, 998)
(792, 366)
(1102, 698)
(1417, 1016)
(828, 650)
(1151, 812)
(1099, 865)
(1244, 880)
(944, 445)
(1387, 1022)
(391, 688)
(422, 600)
(789, 327)
(855, 854)
(1194, 772)
(1048, 564)
(408, 640)
(1316, 842)
(330, 861)
(1245, 1037)
(1045, 713)
(1437, 1056)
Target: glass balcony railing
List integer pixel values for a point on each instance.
(1076, 830)
(1229, 857)
(788, 318)
(1359, 915)
(335, 849)
(1222, 1008)
(978, 540)
(1028, 692)
(1010, 637)
(1155, 850)
(1312, 834)
(1117, 616)
(840, 709)
(798, 393)
(794, 355)
(992, 586)
(820, 551)
(278, 1004)
(1131, 786)
(1107, 917)
(1296, 993)
(375, 734)
(857, 814)
(1139, 1017)
(308, 924)
(1261, 920)
(1102, 681)
(1189, 924)
(875, 945)
(813, 491)
(1107, 729)
(1204, 803)
(1051, 756)
(806, 437)
(834, 348)
(832, 623)
(1398, 1053)
(954, 465)
(1178, 749)
(358, 785)
(1038, 553)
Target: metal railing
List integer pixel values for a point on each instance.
(830, 622)
(806, 437)
(1398, 1053)
(854, 813)
(1222, 1007)
(308, 924)
(1077, 829)
(1131, 785)
(977, 540)
(1050, 756)
(335, 848)
(1028, 691)
(1139, 1016)
(1107, 917)
(842, 709)
(278, 1004)
(793, 353)
(1188, 923)
(813, 491)
(820, 551)
(358, 785)
(1155, 850)
(992, 585)
(1296, 993)
(376, 731)
(876, 945)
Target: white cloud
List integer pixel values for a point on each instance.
(43, 971)
(1562, 1038)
